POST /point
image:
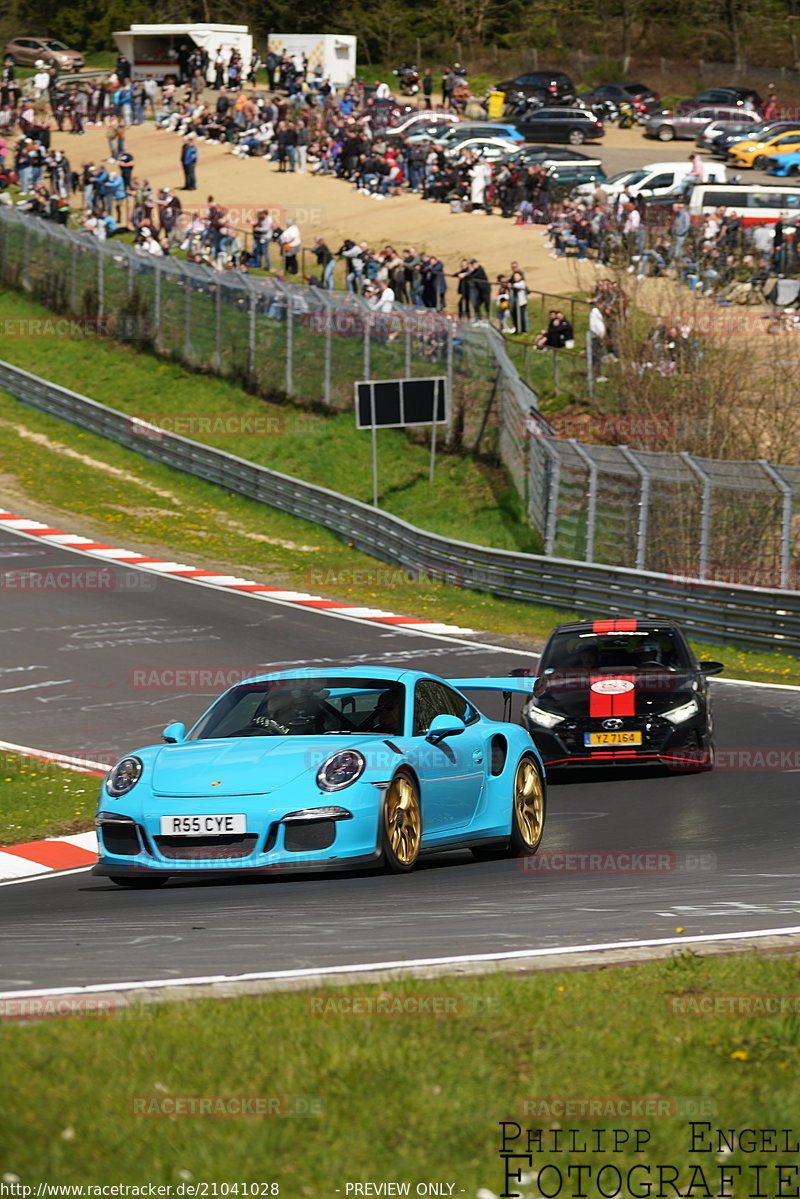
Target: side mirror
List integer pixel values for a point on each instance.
(707, 667)
(174, 733)
(444, 726)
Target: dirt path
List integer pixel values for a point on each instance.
(331, 208)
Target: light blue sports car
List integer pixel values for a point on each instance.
(314, 770)
(784, 164)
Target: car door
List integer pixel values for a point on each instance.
(452, 772)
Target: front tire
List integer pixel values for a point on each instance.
(401, 824)
(139, 882)
(665, 133)
(762, 162)
(576, 137)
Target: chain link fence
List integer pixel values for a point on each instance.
(277, 338)
(674, 513)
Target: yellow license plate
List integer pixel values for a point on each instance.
(612, 738)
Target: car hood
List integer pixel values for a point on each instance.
(243, 766)
(579, 694)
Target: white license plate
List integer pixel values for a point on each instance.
(203, 826)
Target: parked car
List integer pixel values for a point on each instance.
(27, 51)
(705, 139)
(621, 692)
(737, 97)
(571, 125)
(489, 149)
(547, 86)
(759, 153)
(655, 179)
(417, 122)
(642, 98)
(785, 164)
(467, 129)
(563, 165)
(688, 125)
(723, 141)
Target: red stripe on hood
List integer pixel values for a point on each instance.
(604, 704)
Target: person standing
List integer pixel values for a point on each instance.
(519, 302)
(189, 163)
(681, 225)
(480, 292)
(290, 242)
(326, 260)
(427, 87)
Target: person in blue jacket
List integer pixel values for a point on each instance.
(189, 163)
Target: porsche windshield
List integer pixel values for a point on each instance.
(615, 651)
(305, 707)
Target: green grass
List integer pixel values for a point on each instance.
(468, 501)
(407, 1097)
(43, 800)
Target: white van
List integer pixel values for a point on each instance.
(654, 179)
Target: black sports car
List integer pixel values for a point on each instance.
(614, 692)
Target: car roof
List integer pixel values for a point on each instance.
(630, 625)
(387, 674)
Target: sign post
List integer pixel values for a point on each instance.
(398, 403)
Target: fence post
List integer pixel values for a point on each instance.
(251, 336)
(408, 345)
(187, 313)
(101, 279)
(644, 504)
(328, 349)
(589, 366)
(555, 367)
(591, 503)
(26, 259)
(552, 500)
(74, 279)
(786, 519)
(156, 302)
(289, 340)
(705, 510)
(218, 325)
(450, 379)
(367, 324)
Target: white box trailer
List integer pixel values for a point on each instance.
(153, 49)
(335, 52)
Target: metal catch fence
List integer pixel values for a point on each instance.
(676, 513)
(273, 335)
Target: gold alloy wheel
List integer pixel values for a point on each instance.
(528, 803)
(403, 821)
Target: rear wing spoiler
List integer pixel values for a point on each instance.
(521, 683)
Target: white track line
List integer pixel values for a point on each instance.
(518, 955)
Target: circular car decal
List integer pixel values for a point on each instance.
(612, 686)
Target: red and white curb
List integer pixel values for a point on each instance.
(32, 858)
(111, 553)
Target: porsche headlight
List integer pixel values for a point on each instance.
(683, 712)
(122, 777)
(340, 770)
(540, 716)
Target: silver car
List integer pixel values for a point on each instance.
(667, 126)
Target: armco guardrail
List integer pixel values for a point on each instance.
(717, 612)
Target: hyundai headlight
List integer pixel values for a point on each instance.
(122, 777)
(682, 712)
(340, 770)
(540, 716)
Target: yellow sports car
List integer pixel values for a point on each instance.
(758, 154)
